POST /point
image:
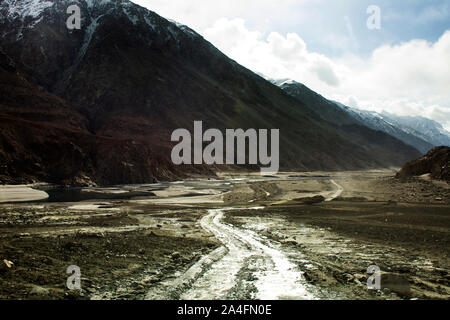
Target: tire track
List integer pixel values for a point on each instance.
(274, 276)
(218, 275)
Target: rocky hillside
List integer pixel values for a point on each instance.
(436, 163)
(116, 89)
(43, 138)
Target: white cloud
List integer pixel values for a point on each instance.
(351, 101)
(200, 14)
(274, 55)
(411, 78)
(408, 78)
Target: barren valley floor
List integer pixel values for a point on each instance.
(236, 237)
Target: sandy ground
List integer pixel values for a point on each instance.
(21, 193)
(240, 237)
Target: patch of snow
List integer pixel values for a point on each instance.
(26, 8)
(132, 17)
(92, 3)
(149, 22)
(290, 81)
(22, 9)
(184, 28)
(173, 33)
(88, 36)
(175, 23)
(188, 31)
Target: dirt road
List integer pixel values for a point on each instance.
(247, 266)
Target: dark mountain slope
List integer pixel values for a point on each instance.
(44, 138)
(324, 108)
(134, 76)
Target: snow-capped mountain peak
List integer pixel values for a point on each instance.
(29, 13)
(419, 132)
(404, 127)
(25, 8)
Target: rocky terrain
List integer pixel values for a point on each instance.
(43, 138)
(238, 237)
(436, 163)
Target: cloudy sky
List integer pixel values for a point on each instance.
(403, 67)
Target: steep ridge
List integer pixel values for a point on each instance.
(134, 76)
(43, 138)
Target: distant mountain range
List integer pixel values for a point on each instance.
(419, 132)
(424, 128)
(98, 105)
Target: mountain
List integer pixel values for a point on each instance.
(116, 89)
(436, 163)
(44, 138)
(324, 108)
(386, 123)
(421, 133)
(427, 129)
(347, 118)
